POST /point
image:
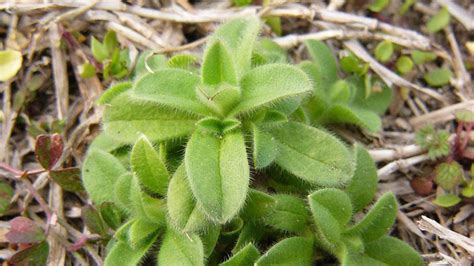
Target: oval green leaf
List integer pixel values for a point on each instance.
(313, 155)
(218, 173)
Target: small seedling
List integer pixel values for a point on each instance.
(108, 53)
(449, 174)
(355, 100)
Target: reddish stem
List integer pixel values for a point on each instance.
(39, 199)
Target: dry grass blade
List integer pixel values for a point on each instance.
(429, 225)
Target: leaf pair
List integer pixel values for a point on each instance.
(360, 243)
(48, 151)
(114, 60)
(342, 101)
(365, 241)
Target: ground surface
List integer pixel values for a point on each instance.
(49, 95)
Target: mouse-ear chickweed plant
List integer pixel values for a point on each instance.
(210, 163)
(354, 100)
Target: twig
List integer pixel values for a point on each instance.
(292, 40)
(429, 225)
(372, 24)
(61, 84)
(403, 218)
(76, 235)
(384, 172)
(141, 26)
(387, 75)
(75, 12)
(201, 16)
(40, 200)
(132, 35)
(396, 153)
(187, 46)
(463, 83)
(441, 115)
(112, 5)
(58, 252)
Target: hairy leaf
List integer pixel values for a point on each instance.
(267, 51)
(270, 84)
(122, 190)
(339, 113)
(378, 220)
(147, 166)
(289, 214)
(264, 148)
(173, 88)
(258, 205)
(393, 251)
(99, 173)
(219, 180)
(140, 231)
(122, 253)
(325, 64)
(113, 91)
(289, 251)
(148, 62)
(218, 66)
(209, 239)
(126, 119)
(335, 201)
(356, 259)
(239, 36)
(111, 215)
(363, 185)
(183, 61)
(275, 118)
(313, 155)
(250, 233)
(377, 102)
(182, 208)
(245, 257)
(181, 249)
(320, 86)
(144, 206)
(340, 92)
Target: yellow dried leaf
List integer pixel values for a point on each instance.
(10, 63)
